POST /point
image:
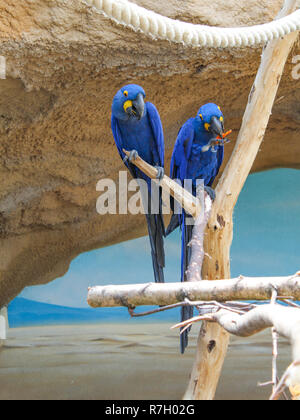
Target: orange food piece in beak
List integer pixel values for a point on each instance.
(224, 135)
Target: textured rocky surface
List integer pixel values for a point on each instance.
(65, 61)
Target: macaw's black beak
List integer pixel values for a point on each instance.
(138, 106)
(216, 127)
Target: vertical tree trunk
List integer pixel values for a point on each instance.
(213, 341)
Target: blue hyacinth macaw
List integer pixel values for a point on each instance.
(137, 127)
(198, 154)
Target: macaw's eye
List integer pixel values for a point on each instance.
(201, 116)
(221, 119)
(125, 93)
(207, 126)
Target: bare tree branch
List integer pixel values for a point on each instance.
(194, 272)
(190, 203)
(284, 320)
(162, 294)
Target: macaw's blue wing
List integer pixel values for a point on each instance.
(119, 143)
(220, 158)
(182, 151)
(178, 168)
(117, 136)
(156, 227)
(158, 134)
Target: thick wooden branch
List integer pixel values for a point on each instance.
(190, 203)
(241, 288)
(207, 367)
(285, 320)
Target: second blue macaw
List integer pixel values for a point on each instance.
(198, 155)
(137, 128)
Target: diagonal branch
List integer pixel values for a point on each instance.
(190, 203)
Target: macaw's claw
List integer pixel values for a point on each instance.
(210, 192)
(132, 155)
(160, 172)
(210, 145)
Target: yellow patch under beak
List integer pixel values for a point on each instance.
(127, 105)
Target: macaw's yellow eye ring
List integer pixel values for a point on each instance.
(125, 93)
(207, 126)
(201, 116)
(221, 119)
(127, 105)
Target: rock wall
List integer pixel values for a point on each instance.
(65, 61)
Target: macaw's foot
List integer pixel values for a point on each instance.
(132, 156)
(210, 192)
(160, 172)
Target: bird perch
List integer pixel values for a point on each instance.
(190, 203)
(241, 288)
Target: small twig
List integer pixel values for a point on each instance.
(193, 320)
(185, 328)
(214, 306)
(157, 310)
(262, 384)
(227, 307)
(270, 383)
(186, 302)
(285, 297)
(200, 304)
(294, 305)
(244, 304)
(283, 392)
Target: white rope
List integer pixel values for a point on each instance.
(160, 27)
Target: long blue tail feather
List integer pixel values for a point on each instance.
(156, 231)
(186, 312)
